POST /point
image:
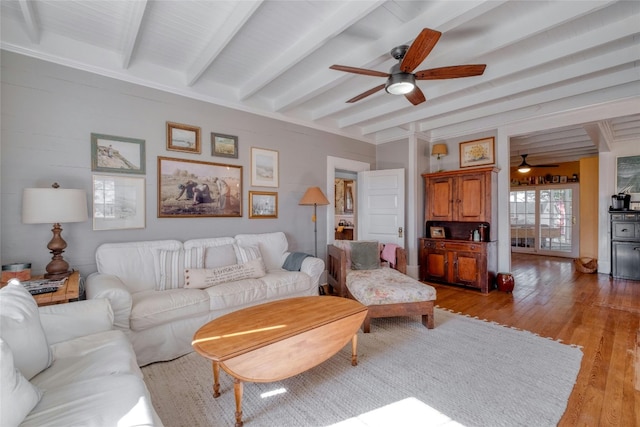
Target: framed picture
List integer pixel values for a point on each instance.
(183, 138)
(190, 188)
(563, 179)
(628, 176)
(555, 179)
(437, 232)
(224, 145)
(118, 202)
(117, 154)
(263, 204)
(264, 167)
(477, 153)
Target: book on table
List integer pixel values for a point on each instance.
(43, 286)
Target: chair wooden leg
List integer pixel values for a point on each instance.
(366, 325)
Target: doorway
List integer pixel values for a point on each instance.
(543, 220)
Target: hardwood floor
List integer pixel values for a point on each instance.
(600, 314)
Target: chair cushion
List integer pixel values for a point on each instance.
(17, 395)
(20, 327)
(387, 286)
(365, 255)
(154, 308)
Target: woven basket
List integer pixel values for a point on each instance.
(586, 265)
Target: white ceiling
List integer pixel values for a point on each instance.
(272, 58)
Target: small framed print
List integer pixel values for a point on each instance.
(263, 204)
(477, 153)
(118, 202)
(563, 179)
(437, 232)
(224, 145)
(264, 167)
(555, 179)
(117, 154)
(183, 138)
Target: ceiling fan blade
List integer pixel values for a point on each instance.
(544, 166)
(365, 94)
(356, 70)
(416, 96)
(452, 72)
(420, 48)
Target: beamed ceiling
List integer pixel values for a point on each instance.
(272, 58)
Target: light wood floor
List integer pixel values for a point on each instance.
(590, 310)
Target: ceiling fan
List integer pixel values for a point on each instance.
(525, 167)
(401, 80)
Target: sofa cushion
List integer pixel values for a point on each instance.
(245, 254)
(20, 327)
(274, 285)
(17, 395)
(154, 308)
(170, 264)
(273, 247)
(134, 262)
(90, 356)
(209, 253)
(203, 278)
(112, 400)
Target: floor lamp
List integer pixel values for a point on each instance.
(54, 206)
(314, 196)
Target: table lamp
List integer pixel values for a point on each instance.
(54, 205)
(439, 150)
(314, 196)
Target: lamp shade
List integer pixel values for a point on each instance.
(53, 205)
(439, 150)
(314, 196)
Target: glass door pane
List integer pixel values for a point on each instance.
(543, 220)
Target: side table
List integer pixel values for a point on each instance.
(67, 292)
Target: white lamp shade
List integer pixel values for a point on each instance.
(53, 205)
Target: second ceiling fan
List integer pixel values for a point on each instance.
(525, 167)
(401, 80)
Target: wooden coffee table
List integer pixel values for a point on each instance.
(277, 340)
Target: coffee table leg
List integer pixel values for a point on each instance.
(216, 379)
(237, 388)
(354, 350)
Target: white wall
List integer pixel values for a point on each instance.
(49, 112)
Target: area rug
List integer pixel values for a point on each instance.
(464, 372)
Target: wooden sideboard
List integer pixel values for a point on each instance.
(459, 202)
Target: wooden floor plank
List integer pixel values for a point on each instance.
(593, 311)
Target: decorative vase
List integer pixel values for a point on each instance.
(505, 282)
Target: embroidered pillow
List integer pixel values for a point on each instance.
(246, 253)
(365, 256)
(170, 264)
(200, 278)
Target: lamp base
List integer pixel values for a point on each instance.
(58, 276)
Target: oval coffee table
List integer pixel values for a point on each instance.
(279, 339)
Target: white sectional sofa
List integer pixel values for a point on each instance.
(65, 365)
(159, 311)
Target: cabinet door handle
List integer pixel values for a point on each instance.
(624, 230)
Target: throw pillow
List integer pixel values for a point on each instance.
(20, 327)
(246, 253)
(365, 255)
(169, 263)
(200, 278)
(17, 395)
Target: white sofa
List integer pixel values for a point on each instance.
(145, 284)
(65, 365)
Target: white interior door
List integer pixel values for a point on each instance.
(380, 207)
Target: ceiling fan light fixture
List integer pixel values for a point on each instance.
(400, 83)
(524, 167)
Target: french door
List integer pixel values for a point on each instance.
(544, 219)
